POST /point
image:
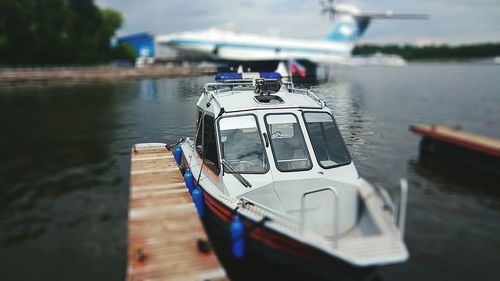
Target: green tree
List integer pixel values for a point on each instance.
(55, 32)
(435, 52)
(124, 52)
(112, 20)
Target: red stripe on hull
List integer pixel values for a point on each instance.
(264, 235)
(270, 238)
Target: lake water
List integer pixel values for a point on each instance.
(66, 150)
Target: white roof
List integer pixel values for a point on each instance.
(241, 99)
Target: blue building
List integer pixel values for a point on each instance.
(143, 43)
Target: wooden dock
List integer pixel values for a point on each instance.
(459, 138)
(163, 225)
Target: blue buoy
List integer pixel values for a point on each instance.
(189, 180)
(198, 200)
(178, 154)
(237, 237)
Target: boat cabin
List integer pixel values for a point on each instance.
(262, 140)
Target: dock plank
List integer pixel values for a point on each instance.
(163, 223)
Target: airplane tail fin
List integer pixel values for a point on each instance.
(351, 23)
(348, 28)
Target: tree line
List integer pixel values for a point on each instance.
(38, 32)
(433, 52)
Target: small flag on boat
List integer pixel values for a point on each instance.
(296, 67)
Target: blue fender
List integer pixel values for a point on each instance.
(189, 180)
(198, 201)
(178, 154)
(237, 229)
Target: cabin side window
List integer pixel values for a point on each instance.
(326, 140)
(209, 144)
(287, 142)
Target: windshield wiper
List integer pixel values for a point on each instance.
(235, 173)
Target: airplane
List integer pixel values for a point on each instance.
(263, 53)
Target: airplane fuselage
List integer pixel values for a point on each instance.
(227, 45)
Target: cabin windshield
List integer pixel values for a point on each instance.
(241, 145)
(326, 140)
(287, 142)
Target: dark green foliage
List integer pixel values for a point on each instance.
(34, 32)
(435, 52)
(124, 52)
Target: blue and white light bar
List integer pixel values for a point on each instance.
(231, 76)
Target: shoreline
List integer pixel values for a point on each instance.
(65, 75)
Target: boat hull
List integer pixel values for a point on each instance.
(269, 254)
(461, 155)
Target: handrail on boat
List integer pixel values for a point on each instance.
(402, 207)
(311, 95)
(267, 209)
(387, 201)
(214, 86)
(335, 217)
(399, 213)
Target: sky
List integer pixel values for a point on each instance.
(450, 21)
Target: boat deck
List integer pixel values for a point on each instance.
(163, 225)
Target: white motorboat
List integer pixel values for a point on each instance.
(276, 189)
